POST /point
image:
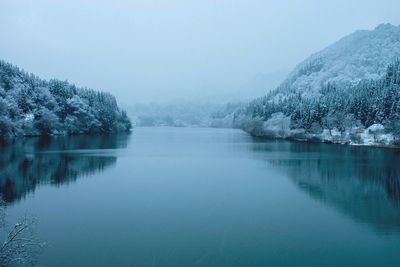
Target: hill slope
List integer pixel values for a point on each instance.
(32, 106)
(347, 93)
(361, 55)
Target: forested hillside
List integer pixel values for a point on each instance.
(362, 55)
(368, 112)
(341, 94)
(32, 106)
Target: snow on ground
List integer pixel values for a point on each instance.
(278, 126)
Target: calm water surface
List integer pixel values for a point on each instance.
(204, 197)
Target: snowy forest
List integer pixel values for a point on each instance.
(365, 113)
(33, 106)
(184, 114)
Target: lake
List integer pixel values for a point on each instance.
(204, 197)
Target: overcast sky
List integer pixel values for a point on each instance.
(159, 50)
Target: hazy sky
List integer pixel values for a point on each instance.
(159, 50)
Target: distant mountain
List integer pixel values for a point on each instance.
(211, 111)
(347, 93)
(32, 106)
(253, 87)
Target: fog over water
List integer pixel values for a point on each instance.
(145, 51)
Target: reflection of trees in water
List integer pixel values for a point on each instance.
(27, 162)
(361, 182)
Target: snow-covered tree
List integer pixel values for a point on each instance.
(345, 110)
(29, 105)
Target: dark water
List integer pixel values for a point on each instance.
(204, 197)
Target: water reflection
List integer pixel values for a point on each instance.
(361, 182)
(28, 162)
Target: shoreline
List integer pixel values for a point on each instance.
(316, 141)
